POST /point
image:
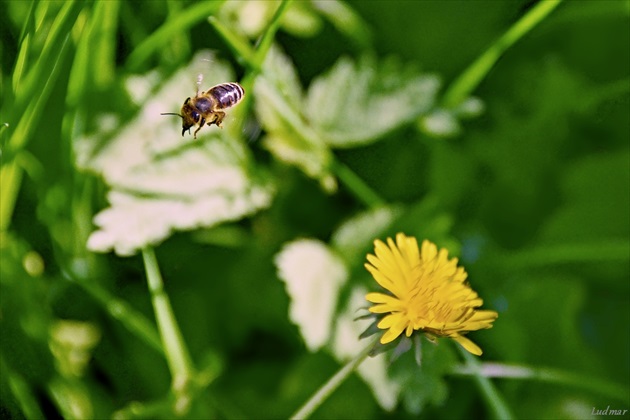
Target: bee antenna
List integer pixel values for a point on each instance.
(171, 113)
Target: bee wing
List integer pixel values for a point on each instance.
(199, 80)
(206, 69)
(201, 65)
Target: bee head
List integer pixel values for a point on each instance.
(188, 114)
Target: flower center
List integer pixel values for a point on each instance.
(429, 302)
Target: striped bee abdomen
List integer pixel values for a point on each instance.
(226, 94)
(206, 108)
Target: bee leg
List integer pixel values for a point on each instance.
(201, 123)
(212, 118)
(219, 118)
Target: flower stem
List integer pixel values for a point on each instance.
(268, 36)
(472, 76)
(121, 311)
(21, 391)
(492, 397)
(333, 383)
(543, 374)
(569, 253)
(177, 356)
(356, 185)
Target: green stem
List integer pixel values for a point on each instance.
(177, 356)
(121, 311)
(32, 89)
(493, 398)
(593, 385)
(254, 59)
(268, 36)
(21, 390)
(463, 86)
(550, 255)
(10, 181)
(356, 185)
(239, 45)
(10, 171)
(181, 22)
(250, 57)
(333, 383)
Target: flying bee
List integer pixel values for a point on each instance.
(207, 107)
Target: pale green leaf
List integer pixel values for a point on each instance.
(345, 20)
(280, 74)
(313, 275)
(356, 103)
(440, 123)
(289, 136)
(252, 17)
(162, 182)
(356, 234)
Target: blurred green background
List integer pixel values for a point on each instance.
(533, 195)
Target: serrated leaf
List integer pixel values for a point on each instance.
(253, 17)
(313, 275)
(440, 123)
(345, 20)
(302, 19)
(355, 235)
(289, 137)
(161, 182)
(279, 72)
(425, 384)
(356, 103)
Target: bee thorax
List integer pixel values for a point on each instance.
(204, 104)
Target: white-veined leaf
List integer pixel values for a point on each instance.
(289, 136)
(162, 182)
(313, 276)
(252, 17)
(356, 103)
(357, 233)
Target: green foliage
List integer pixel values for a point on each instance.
(339, 140)
(423, 383)
(355, 104)
(166, 184)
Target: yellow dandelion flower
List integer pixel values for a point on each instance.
(427, 292)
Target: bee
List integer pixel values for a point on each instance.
(207, 107)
